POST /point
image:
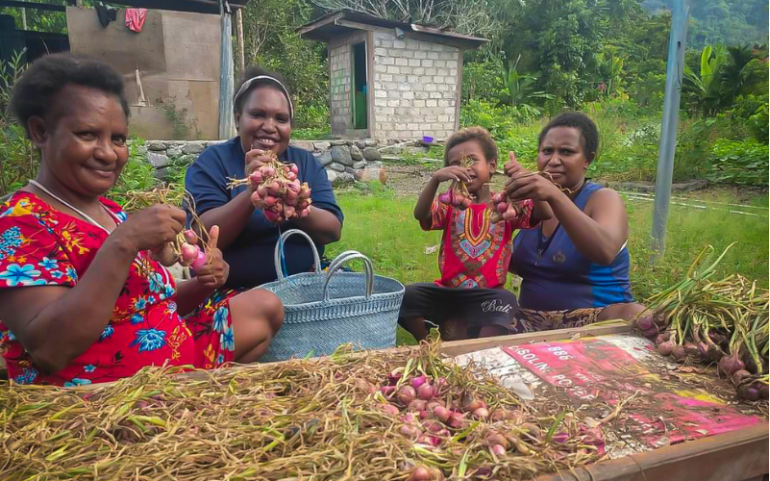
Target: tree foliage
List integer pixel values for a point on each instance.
(475, 17)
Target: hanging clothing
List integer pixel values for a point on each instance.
(106, 15)
(135, 18)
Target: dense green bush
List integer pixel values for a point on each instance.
(743, 162)
(18, 160)
(496, 119)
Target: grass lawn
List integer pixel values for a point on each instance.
(380, 224)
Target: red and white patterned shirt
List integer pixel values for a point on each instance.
(475, 252)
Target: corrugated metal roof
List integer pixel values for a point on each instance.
(338, 23)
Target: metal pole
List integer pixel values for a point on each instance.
(226, 129)
(668, 128)
(239, 37)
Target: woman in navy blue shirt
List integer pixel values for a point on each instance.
(574, 268)
(263, 117)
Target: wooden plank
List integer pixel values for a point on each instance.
(370, 108)
(455, 348)
(241, 45)
(733, 456)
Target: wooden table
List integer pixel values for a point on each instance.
(739, 455)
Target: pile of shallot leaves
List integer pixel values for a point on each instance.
(392, 415)
(715, 322)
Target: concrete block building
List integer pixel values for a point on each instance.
(391, 80)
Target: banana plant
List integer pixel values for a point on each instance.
(520, 86)
(708, 86)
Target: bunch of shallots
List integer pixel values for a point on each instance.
(278, 191)
(184, 250)
(503, 208)
(721, 322)
(457, 196)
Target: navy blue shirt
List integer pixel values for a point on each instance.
(251, 255)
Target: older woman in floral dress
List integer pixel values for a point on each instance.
(81, 298)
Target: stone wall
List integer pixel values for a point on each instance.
(346, 161)
(415, 88)
(339, 84)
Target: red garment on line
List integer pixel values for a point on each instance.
(135, 18)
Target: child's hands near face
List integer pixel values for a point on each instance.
(453, 172)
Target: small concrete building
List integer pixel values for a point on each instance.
(391, 80)
(177, 63)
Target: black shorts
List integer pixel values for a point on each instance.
(475, 307)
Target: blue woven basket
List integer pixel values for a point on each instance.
(327, 309)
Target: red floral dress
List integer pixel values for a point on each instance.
(41, 246)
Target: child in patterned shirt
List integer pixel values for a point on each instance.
(469, 299)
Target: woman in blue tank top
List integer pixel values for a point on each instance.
(574, 268)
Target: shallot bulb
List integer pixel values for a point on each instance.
(199, 262)
(189, 254)
(418, 381)
(442, 413)
(666, 348)
(390, 409)
(728, 365)
(498, 450)
(425, 392)
(406, 395)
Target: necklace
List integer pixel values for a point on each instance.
(139, 261)
(75, 209)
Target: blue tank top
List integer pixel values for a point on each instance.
(560, 277)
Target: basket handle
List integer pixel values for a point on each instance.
(278, 251)
(337, 264)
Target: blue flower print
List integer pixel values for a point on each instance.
(72, 274)
(156, 282)
(89, 368)
(25, 275)
(9, 241)
(140, 304)
(221, 359)
(122, 216)
(107, 333)
(137, 318)
(77, 382)
(227, 339)
(56, 274)
(149, 339)
(151, 300)
(10, 336)
(171, 307)
(220, 319)
(26, 377)
(48, 264)
(168, 293)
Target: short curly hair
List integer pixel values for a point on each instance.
(479, 134)
(589, 134)
(35, 93)
(256, 71)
